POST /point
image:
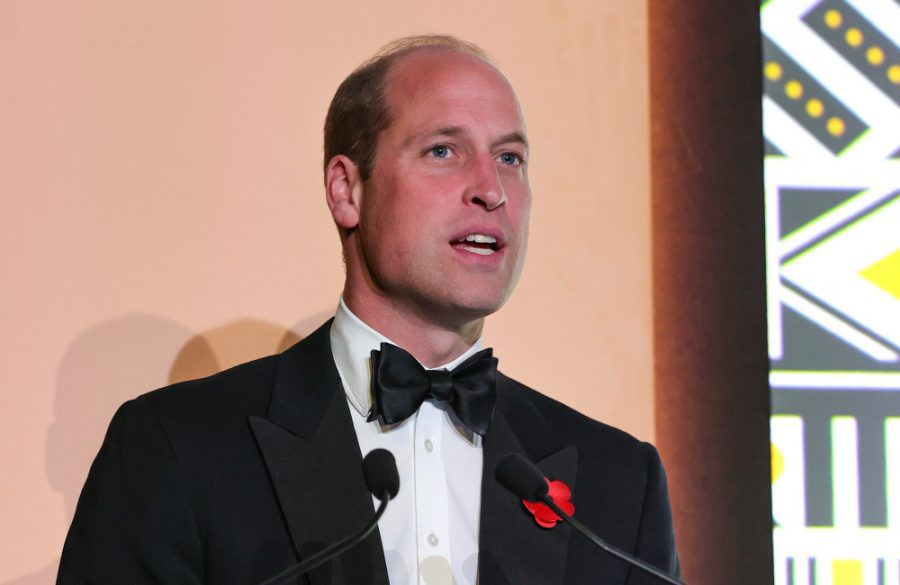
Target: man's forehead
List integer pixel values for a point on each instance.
(448, 75)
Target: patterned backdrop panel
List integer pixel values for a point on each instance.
(831, 118)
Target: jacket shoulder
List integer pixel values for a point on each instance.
(243, 389)
(621, 481)
(572, 424)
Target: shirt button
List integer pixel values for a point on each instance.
(429, 446)
(432, 539)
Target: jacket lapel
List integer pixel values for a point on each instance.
(307, 440)
(313, 458)
(513, 548)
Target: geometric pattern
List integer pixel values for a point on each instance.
(811, 105)
(885, 274)
(831, 119)
(872, 52)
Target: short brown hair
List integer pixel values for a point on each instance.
(358, 112)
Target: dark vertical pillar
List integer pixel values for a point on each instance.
(712, 396)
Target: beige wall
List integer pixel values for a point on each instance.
(162, 211)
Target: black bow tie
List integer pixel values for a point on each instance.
(400, 385)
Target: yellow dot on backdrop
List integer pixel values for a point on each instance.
(772, 71)
(833, 19)
(815, 108)
(794, 89)
(777, 462)
(893, 74)
(875, 55)
(854, 37)
(835, 126)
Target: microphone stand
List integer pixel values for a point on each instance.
(334, 550)
(578, 526)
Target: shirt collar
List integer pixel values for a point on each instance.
(352, 342)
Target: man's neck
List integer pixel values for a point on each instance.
(432, 344)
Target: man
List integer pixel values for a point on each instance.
(232, 478)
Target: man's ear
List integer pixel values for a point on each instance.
(343, 191)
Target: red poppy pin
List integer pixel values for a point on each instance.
(560, 493)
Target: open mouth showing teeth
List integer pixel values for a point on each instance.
(478, 244)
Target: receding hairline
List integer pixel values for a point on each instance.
(359, 110)
(398, 48)
(399, 61)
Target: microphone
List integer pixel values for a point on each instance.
(522, 478)
(383, 481)
(380, 473)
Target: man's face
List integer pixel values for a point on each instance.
(444, 215)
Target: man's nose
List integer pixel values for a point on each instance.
(485, 188)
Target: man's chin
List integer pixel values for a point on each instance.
(461, 312)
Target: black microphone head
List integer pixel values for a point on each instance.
(380, 471)
(521, 477)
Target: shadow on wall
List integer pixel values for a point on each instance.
(117, 360)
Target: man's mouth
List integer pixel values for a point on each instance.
(481, 244)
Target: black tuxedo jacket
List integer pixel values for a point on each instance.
(232, 478)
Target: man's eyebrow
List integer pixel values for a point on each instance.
(453, 131)
(512, 137)
(450, 131)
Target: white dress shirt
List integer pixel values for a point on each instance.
(430, 530)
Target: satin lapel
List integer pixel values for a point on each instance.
(513, 548)
(312, 455)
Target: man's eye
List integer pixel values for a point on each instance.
(440, 151)
(510, 158)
